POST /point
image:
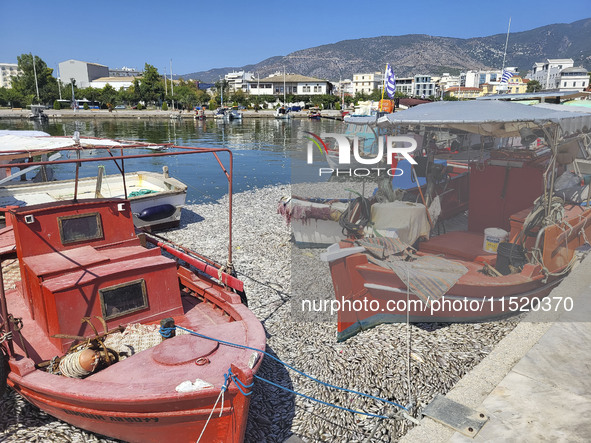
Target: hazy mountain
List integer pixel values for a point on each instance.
(424, 54)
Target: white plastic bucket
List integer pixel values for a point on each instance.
(492, 238)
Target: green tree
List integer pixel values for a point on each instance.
(24, 84)
(533, 86)
(56, 105)
(108, 95)
(150, 88)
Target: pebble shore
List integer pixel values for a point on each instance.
(375, 361)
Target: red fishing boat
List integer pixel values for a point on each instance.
(116, 338)
(452, 277)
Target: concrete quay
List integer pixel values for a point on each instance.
(535, 385)
(81, 114)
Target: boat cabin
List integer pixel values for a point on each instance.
(83, 259)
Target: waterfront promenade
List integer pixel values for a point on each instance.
(81, 114)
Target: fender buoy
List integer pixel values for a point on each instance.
(157, 212)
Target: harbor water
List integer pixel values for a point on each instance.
(263, 149)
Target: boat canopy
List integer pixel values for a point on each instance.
(10, 144)
(564, 108)
(492, 118)
(370, 120)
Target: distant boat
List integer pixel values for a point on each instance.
(234, 114)
(282, 113)
(314, 114)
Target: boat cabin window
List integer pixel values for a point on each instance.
(123, 299)
(80, 227)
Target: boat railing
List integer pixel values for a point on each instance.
(117, 154)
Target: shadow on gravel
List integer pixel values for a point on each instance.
(189, 217)
(271, 409)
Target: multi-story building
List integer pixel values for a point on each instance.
(404, 85)
(548, 72)
(82, 72)
(423, 86)
(462, 92)
(572, 79)
(279, 84)
(7, 72)
(239, 80)
(344, 87)
(515, 85)
(367, 83)
(124, 72)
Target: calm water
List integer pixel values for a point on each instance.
(263, 149)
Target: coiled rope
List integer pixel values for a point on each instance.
(167, 331)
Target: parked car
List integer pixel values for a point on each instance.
(120, 107)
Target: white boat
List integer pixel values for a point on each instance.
(234, 115)
(156, 199)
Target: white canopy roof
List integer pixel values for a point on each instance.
(495, 118)
(14, 146)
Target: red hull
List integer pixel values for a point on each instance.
(134, 399)
(368, 294)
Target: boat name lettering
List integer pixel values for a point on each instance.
(112, 419)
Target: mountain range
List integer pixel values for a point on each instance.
(425, 54)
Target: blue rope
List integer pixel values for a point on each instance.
(320, 401)
(166, 332)
(287, 366)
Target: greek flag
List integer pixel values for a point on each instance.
(390, 82)
(506, 76)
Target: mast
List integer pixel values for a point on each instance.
(171, 84)
(35, 73)
(284, 86)
(506, 43)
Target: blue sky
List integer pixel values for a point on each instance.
(199, 36)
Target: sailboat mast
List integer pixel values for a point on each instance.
(284, 86)
(35, 73)
(506, 43)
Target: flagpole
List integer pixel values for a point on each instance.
(383, 87)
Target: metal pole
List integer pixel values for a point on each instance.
(171, 84)
(506, 43)
(35, 73)
(4, 311)
(59, 81)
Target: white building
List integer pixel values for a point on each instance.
(548, 73)
(296, 84)
(572, 79)
(124, 72)
(423, 86)
(239, 80)
(117, 83)
(82, 72)
(344, 87)
(7, 72)
(367, 83)
(405, 85)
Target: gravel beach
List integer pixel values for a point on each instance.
(374, 361)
